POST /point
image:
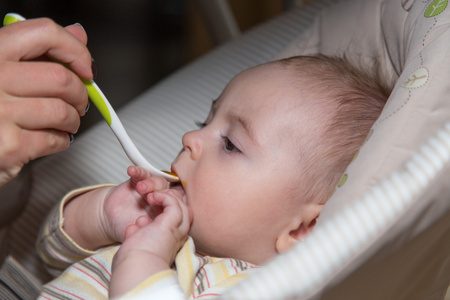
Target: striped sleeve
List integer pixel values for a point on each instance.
(90, 279)
(56, 249)
(162, 285)
(87, 279)
(196, 276)
(208, 277)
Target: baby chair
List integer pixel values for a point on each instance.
(385, 233)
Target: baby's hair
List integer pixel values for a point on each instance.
(354, 98)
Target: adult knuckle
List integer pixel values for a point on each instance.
(4, 75)
(61, 111)
(53, 143)
(62, 76)
(10, 146)
(6, 108)
(46, 25)
(83, 96)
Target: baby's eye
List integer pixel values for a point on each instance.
(229, 146)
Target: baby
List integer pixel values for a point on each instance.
(254, 179)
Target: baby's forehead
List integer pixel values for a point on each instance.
(285, 93)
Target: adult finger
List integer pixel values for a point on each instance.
(41, 113)
(30, 39)
(78, 31)
(45, 142)
(43, 79)
(18, 147)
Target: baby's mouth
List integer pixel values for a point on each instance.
(178, 186)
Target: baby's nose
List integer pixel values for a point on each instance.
(192, 143)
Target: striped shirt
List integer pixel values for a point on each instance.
(87, 274)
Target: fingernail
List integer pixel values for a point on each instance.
(94, 69)
(87, 107)
(72, 138)
(81, 26)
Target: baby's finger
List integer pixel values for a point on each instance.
(164, 197)
(150, 185)
(187, 217)
(140, 222)
(137, 173)
(143, 221)
(174, 214)
(130, 230)
(145, 185)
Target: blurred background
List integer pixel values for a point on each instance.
(136, 43)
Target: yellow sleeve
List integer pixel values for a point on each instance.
(56, 249)
(162, 285)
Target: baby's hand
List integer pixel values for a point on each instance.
(100, 217)
(126, 203)
(151, 246)
(165, 235)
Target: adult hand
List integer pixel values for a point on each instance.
(40, 101)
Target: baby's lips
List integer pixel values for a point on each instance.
(171, 173)
(180, 185)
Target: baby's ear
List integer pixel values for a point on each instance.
(297, 232)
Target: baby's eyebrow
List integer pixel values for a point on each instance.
(214, 106)
(246, 124)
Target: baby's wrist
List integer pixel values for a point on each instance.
(104, 231)
(141, 259)
(83, 219)
(132, 267)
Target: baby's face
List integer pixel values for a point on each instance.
(241, 172)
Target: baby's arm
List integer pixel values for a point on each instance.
(151, 246)
(100, 217)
